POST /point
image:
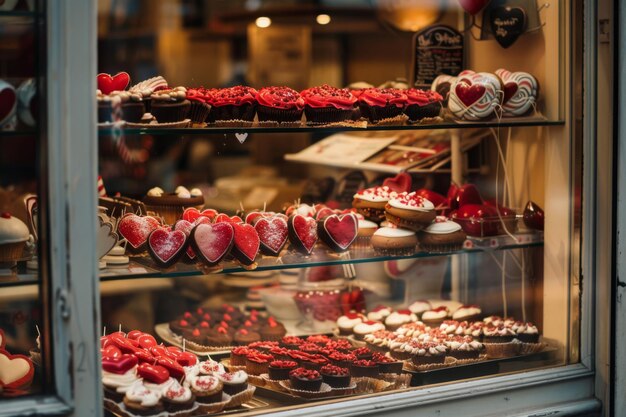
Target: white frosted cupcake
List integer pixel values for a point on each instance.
(380, 313)
(365, 231)
(467, 313)
(398, 318)
(435, 316)
(392, 241)
(419, 307)
(367, 327)
(442, 235)
(346, 323)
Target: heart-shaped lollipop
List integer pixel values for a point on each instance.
(273, 233)
(153, 373)
(166, 246)
(221, 218)
(119, 364)
(187, 226)
(136, 229)
(108, 83)
(212, 242)
(475, 96)
(302, 233)
(111, 351)
(401, 183)
(191, 214)
(172, 366)
(520, 92)
(338, 232)
(246, 243)
(16, 371)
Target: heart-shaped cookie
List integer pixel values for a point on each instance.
(324, 212)
(302, 233)
(119, 364)
(153, 373)
(136, 229)
(186, 227)
(16, 371)
(191, 214)
(338, 232)
(106, 238)
(401, 183)
(118, 82)
(212, 242)
(520, 92)
(273, 233)
(165, 246)
(475, 96)
(8, 102)
(246, 243)
(221, 217)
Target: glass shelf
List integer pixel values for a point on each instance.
(447, 124)
(14, 133)
(144, 267)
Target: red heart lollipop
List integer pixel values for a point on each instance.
(468, 93)
(118, 82)
(134, 334)
(136, 229)
(172, 366)
(153, 373)
(111, 351)
(338, 232)
(225, 218)
(119, 364)
(187, 359)
(473, 6)
(302, 233)
(144, 356)
(166, 246)
(246, 243)
(273, 234)
(186, 227)
(400, 183)
(146, 341)
(212, 242)
(192, 214)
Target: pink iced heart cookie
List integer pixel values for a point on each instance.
(186, 226)
(212, 242)
(191, 214)
(273, 234)
(8, 102)
(338, 232)
(108, 83)
(247, 243)
(302, 233)
(16, 371)
(475, 95)
(136, 229)
(166, 246)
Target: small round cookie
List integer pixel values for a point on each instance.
(394, 241)
(410, 211)
(442, 235)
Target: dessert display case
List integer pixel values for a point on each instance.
(365, 207)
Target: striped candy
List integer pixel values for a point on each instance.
(475, 95)
(520, 92)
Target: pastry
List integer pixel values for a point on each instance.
(410, 211)
(387, 365)
(177, 397)
(361, 329)
(371, 202)
(279, 370)
(338, 231)
(435, 316)
(341, 359)
(525, 332)
(464, 347)
(362, 353)
(199, 99)
(398, 318)
(520, 92)
(335, 376)
(326, 104)
(378, 340)
(273, 330)
(291, 342)
(302, 233)
(426, 353)
(207, 388)
(442, 85)
(147, 87)
(314, 361)
(366, 229)
(273, 234)
(442, 235)
(378, 104)
(171, 206)
(393, 241)
(166, 246)
(234, 106)
(422, 104)
(475, 96)
(467, 312)
(238, 355)
(212, 242)
(258, 363)
(379, 313)
(13, 236)
(279, 104)
(170, 105)
(119, 372)
(139, 400)
(244, 336)
(498, 334)
(419, 307)
(364, 367)
(305, 379)
(219, 337)
(234, 382)
(346, 323)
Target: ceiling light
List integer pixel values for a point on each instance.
(263, 22)
(323, 19)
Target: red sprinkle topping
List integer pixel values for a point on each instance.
(283, 364)
(305, 374)
(334, 370)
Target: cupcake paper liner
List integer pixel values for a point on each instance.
(272, 114)
(367, 385)
(502, 350)
(171, 112)
(528, 348)
(427, 121)
(449, 361)
(449, 247)
(377, 114)
(326, 115)
(324, 391)
(199, 111)
(243, 113)
(416, 112)
(480, 358)
(395, 251)
(234, 123)
(214, 407)
(272, 383)
(10, 252)
(202, 348)
(241, 397)
(397, 381)
(232, 368)
(121, 410)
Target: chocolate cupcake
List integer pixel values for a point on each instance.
(378, 104)
(279, 370)
(326, 104)
(238, 355)
(177, 398)
(335, 376)
(526, 332)
(422, 104)
(200, 99)
(146, 88)
(464, 347)
(364, 367)
(291, 342)
(234, 382)
(218, 337)
(386, 365)
(258, 363)
(410, 211)
(363, 353)
(394, 241)
(244, 336)
(426, 353)
(442, 235)
(305, 379)
(273, 330)
(343, 360)
(233, 106)
(315, 362)
(169, 106)
(280, 105)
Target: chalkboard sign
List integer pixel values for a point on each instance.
(438, 50)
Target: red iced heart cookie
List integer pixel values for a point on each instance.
(172, 366)
(510, 89)
(8, 102)
(212, 242)
(302, 233)
(16, 371)
(273, 234)
(153, 373)
(119, 364)
(111, 351)
(253, 216)
(247, 243)
(191, 214)
(146, 341)
(324, 212)
(469, 93)
(338, 232)
(400, 183)
(166, 246)
(221, 218)
(136, 229)
(118, 82)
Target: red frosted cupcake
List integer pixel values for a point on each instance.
(422, 103)
(382, 103)
(200, 99)
(233, 106)
(326, 104)
(279, 104)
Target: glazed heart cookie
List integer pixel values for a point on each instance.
(187, 226)
(338, 232)
(136, 229)
(191, 214)
(8, 102)
(246, 243)
(273, 233)
(475, 96)
(108, 83)
(165, 246)
(520, 92)
(212, 242)
(16, 371)
(302, 233)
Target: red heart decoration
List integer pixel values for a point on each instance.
(247, 243)
(158, 350)
(339, 232)
(134, 334)
(16, 371)
(273, 234)
(2, 339)
(125, 345)
(212, 241)
(191, 214)
(302, 233)
(118, 82)
(165, 245)
(146, 341)
(119, 364)
(220, 218)
(136, 229)
(400, 183)
(253, 216)
(186, 226)
(468, 93)
(186, 359)
(473, 6)
(153, 373)
(510, 89)
(172, 366)
(111, 351)
(144, 356)
(8, 102)
(324, 212)
(437, 199)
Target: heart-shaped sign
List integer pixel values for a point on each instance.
(16, 371)
(220, 218)
(166, 246)
(191, 214)
(212, 242)
(153, 373)
(473, 6)
(338, 232)
(401, 183)
(119, 364)
(186, 227)
(302, 233)
(241, 137)
(246, 243)
(136, 229)
(8, 102)
(106, 238)
(118, 82)
(507, 24)
(273, 233)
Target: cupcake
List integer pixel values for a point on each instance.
(326, 104)
(234, 382)
(196, 335)
(279, 370)
(314, 361)
(169, 106)
(379, 313)
(493, 321)
(426, 353)
(346, 323)
(475, 330)
(141, 401)
(341, 359)
(244, 336)
(335, 376)
(305, 379)
(422, 104)
(378, 104)
(200, 99)
(361, 329)
(500, 342)
(207, 389)
(363, 353)
(13, 236)
(318, 339)
(180, 326)
(170, 206)
(219, 337)
(378, 340)
(398, 318)
(310, 348)
(258, 363)
(410, 211)
(371, 202)
(419, 307)
(442, 235)
(464, 347)
(435, 316)
(341, 345)
(273, 330)
(132, 106)
(364, 367)
(413, 329)
(234, 106)
(279, 353)
(467, 312)
(291, 342)
(499, 334)
(397, 347)
(118, 374)
(365, 231)
(386, 365)
(177, 397)
(146, 88)
(279, 105)
(526, 332)
(393, 241)
(238, 355)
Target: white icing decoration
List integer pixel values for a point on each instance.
(180, 189)
(393, 232)
(419, 307)
(366, 224)
(195, 192)
(443, 228)
(348, 323)
(466, 311)
(176, 392)
(377, 194)
(412, 202)
(204, 383)
(183, 194)
(363, 328)
(124, 380)
(234, 378)
(141, 394)
(155, 192)
(395, 318)
(433, 315)
(13, 230)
